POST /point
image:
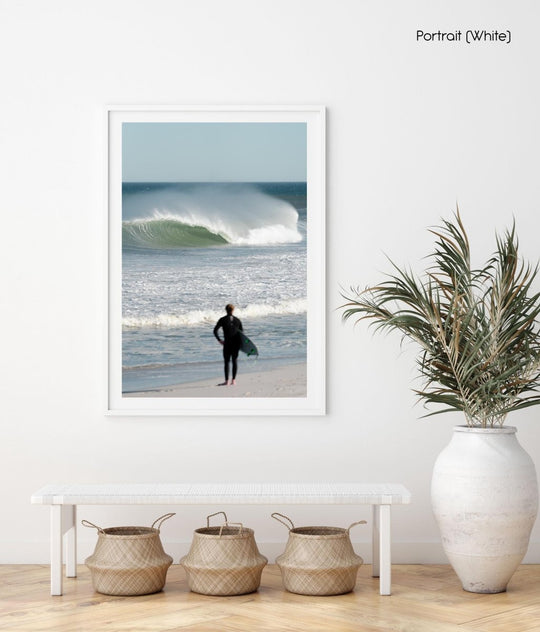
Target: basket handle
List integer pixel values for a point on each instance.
(161, 520)
(227, 524)
(86, 523)
(356, 523)
(215, 514)
(275, 514)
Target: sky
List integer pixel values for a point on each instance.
(214, 152)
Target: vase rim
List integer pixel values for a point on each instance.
(497, 430)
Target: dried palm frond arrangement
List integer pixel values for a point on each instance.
(477, 329)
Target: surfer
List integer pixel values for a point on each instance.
(232, 342)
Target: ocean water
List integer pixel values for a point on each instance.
(187, 251)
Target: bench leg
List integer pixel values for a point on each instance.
(62, 521)
(381, 548)
(71, 540)
(375, 542)
(56, 549)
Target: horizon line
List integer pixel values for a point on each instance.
(214, 181)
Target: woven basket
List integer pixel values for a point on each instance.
(223, 560)
(318, 560)
(129, 560)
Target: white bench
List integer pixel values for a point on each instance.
(63, 500)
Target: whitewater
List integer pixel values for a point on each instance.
(188, 250)
(209, 215)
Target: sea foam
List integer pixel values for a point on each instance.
(198, 317)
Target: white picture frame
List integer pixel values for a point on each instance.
(310, 402)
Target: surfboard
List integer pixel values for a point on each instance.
(247, 346)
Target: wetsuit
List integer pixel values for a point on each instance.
(231, 326)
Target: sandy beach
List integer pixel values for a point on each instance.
(287, 381)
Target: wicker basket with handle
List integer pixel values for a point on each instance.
(318, 560)
(223, 560)
(129, 560)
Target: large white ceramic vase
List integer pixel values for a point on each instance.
(484, 494)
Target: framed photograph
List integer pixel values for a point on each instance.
(216, 260)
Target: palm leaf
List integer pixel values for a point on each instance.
(477, 328)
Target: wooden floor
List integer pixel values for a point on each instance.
(424, 599)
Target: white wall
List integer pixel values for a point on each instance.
(412, 129)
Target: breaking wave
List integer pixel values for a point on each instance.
(207, 216)
(168, 233)
(198, 317)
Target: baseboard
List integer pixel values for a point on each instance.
(37, 552)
